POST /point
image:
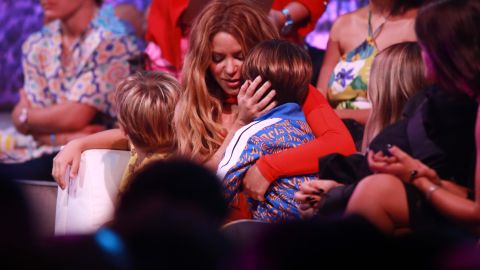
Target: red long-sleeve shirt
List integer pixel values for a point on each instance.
(331, 137)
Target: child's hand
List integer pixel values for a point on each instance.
(68, 156)
(250, 102)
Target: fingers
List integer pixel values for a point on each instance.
(250, 91)
(313, 189)
(243, 88)
(58, 171)
(270, 106)
(74, 167)
(261, 91)
(266, 100)
(399, 154)
(307, 197)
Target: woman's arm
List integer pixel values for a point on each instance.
(448, 198)
(331, 137)
(70, 154)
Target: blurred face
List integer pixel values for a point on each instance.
(226, 62)
(60, 9)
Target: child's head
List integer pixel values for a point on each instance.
(287, 66)
(145, 104)
(397, 74)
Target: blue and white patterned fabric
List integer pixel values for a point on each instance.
(282, 128)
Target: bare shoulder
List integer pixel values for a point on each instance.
(350, 25)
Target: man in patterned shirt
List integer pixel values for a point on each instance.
(71, 68)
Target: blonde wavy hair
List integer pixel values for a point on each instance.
(397, 74)
(145, 103)
(198, 113)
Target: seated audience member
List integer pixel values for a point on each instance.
(177, 207)
(145, 103)
(432, 124)
(71, 68)
(415, 194)
(397, 75)
(287, 67)
(355, 39)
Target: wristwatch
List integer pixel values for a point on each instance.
(288, 25)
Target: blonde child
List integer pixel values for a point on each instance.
(145, 104)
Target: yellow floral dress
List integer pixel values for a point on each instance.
(347, 87)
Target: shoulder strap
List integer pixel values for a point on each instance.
(375, 33)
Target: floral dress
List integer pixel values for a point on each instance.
(347, 87)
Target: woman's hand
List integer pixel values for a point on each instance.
(254, 184)
(68, 156)
(401, 165)
(311, 194)
(250, 102)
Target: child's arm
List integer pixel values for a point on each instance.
(70, 154)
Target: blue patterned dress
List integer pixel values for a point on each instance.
(282, 128)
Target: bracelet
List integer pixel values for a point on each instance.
(430, 190)
(52, 139)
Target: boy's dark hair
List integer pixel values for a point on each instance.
(287, 66)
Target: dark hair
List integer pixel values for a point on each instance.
(402, 6)
(287, 66)
(448, 32)
(173, 184)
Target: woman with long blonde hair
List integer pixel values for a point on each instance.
(397, 74)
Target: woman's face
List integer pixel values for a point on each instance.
(226, 62)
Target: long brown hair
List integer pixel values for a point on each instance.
(448, 32)
(198, 113)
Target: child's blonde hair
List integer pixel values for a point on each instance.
(145, 105)
(397, 73)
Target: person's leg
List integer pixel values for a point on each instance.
(382, 200)
(35, 169)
